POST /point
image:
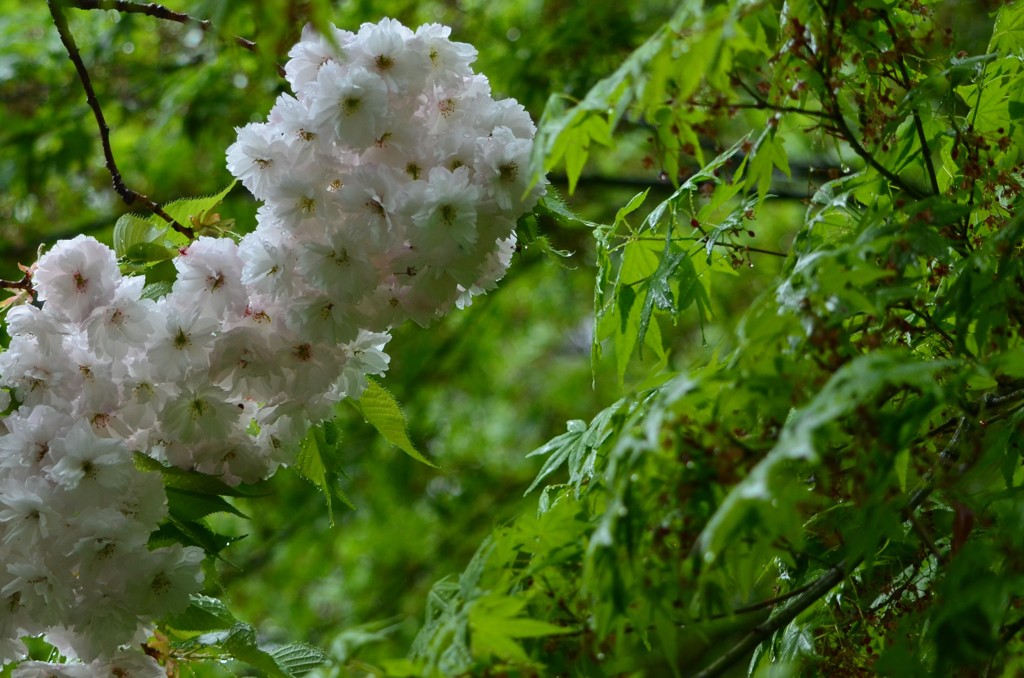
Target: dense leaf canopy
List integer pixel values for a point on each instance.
(763, 339)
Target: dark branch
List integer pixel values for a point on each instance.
(778, 620)
(158, 12)
(834, 109)
(718, 243)
(1013, 629)
(761, 103)
(23, 285)
(783, 191)
(850, 138)
(925, 150)
(128, 195)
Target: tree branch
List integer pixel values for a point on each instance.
(925, 150)
(158, 12)
(128, 195)
(818, 588)
(836, 112)
(760, 103)
(24, 284)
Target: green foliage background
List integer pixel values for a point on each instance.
(778, 435)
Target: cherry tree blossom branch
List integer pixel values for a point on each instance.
(21, 288)
(129, 195)
(24, 284)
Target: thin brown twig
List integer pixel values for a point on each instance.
(760, 103)
(158, 12)
(930, 321)
(921, 137)
(781, 618)
(926, 538)
(717, 243)
(127, 194)
(23, 284)
(1013, 629)
(835, 111)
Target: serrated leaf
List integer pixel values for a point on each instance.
(381, 410)
(184, 210)
(297, 658)
(558, 451)
(200, 534)
(196, 482)
(317, 463)
(495, 624)
(239, 641)
(632, 206)
(554, 206)
(158, 289)
(131, 230)
(757, 500)
(241, 644)
(1008, 32)
(659, 289)
(188, 505)
(202, 614)
(578, 447)
(148, 252)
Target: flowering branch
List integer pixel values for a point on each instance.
(157, 11)
(318, 166)
(23, 284)
(22, 289)
(129, 195)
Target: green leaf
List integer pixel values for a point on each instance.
(578, 447)
(297, 659)
(193, 481)
(184, 210)
(633, 205)
(202, 614)
(401, 668)
(659, 289)
(552, 205)
(189, 505)
(131, 230)
(241, 644)
(149, 252)
(318, 463)
(191, 533)
(762, 502)
(1008, 33)
(900, 465)
(558, 451)
(381, 410)
(495, 624)
(158, 289)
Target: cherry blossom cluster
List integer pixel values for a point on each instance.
(202, 378)
(391, 183)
